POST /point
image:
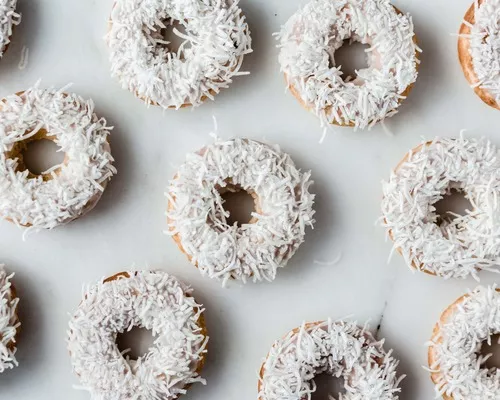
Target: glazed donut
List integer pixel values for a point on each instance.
(452, 249)
(217, 38)
(9, 321)
(478, 50)
(198, 222)
(308, 42)
(341, 349)
(66, 191)
(152, 300)
(454, 361)
(8, 19)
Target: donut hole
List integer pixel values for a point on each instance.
(40, 156)
(239, 204)
(352, 56)
(170, 40)
(453, 205)
(328, 387)
(135, 343)
(492, 352)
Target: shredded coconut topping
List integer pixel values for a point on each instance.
(152, 300)
(457, 344)
(455, 248)
(216, 39)
(66, 191)
(485, 46)
(257, 249)
(341, 349)
(8, 19)
(308, 42)
(9, 322)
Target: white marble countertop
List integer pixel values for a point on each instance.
(65, 41)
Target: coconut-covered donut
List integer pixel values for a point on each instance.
(308, 43)
(456, 366)
(66, 191)
(9, 321)
(152, 300)
(216, 39)
(198, 222)
(8, 19)
(341, 349)
(479, 50)
(449, 248)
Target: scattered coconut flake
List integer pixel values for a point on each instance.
(23, 63)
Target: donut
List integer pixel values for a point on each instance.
(9, 321)
(341, 349)
(478, 50)
(308, 42)
(198, 222)
(153, 300)
(450, 249)
(8, 19)
(66, 191)
(455, 363)
(216, 39)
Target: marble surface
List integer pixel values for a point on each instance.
(65, 41)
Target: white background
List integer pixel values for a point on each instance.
(65, 41)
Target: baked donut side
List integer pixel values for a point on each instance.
(9, 321)
(10, 19)
(454, 364)
(466, 58)
(150, 299)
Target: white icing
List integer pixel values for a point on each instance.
(255, 250)
(341, 349)
(308, 42)
(81, 179)
(216, 39)
(9, 322)
(457, 345)
(152, 300)
(8, 19)
(484, 42)
(457, 248)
